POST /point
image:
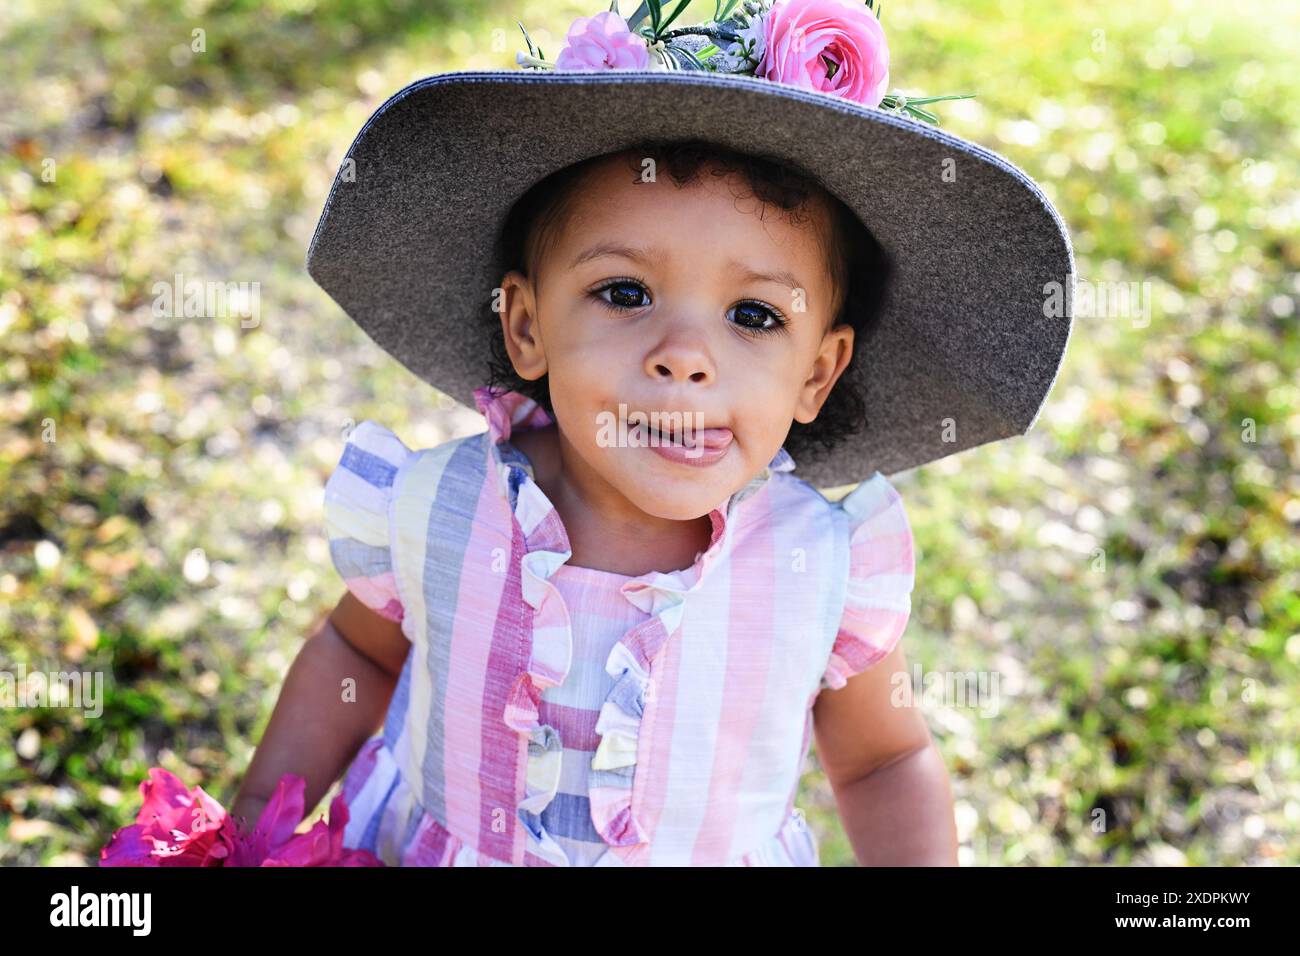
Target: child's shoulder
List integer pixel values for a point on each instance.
(871, 497)
(371, 438)
(382, 484)
(876, 515)
(372, 469)
(881, 574)
(870, 519)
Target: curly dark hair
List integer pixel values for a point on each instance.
(859, 266)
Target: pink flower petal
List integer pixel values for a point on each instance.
(284, 811)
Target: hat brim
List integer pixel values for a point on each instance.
(965, 352)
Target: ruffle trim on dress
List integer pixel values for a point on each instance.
(545, 546)
(548, 665)
(623, 718)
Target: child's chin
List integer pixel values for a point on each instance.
(675, 492)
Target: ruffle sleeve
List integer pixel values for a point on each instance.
(358, 516)
(878, 598)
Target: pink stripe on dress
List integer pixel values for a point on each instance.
(748, 663)
(470, 668)
(504, 753)
(575, 725)
(647, 800)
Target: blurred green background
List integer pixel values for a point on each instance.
(171, 534)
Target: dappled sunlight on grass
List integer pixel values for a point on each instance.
(1129, 569)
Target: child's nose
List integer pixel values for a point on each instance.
(681, 361)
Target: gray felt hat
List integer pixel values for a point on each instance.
(966, 349)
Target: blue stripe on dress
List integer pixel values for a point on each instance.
(569, 815)
(395, 719)
(356, 559)
(369, 466)
(371, 837)
(447, 535)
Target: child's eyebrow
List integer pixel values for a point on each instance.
(648, 256)
(778, 276)
(643, 256)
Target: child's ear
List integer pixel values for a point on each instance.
(831, 360)
(519, 325)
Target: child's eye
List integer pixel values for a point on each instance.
(623, 294)
(753, 315)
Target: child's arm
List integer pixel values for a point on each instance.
(888, 777)
(314, 731)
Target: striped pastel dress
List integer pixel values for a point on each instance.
(553, 715)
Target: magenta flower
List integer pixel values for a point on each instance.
(180, 827)
(602, 42)
(322, 845)
(175, 827)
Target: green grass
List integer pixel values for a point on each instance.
(1147, 711)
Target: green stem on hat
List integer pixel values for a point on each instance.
(673, 16)
(898, 103)
(712, 32)
(720, 12)
(936, 99)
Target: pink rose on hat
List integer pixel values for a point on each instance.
(833, 46)
(602, 42)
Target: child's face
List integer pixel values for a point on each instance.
(677, 340)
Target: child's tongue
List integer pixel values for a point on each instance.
(714, 437)
(704, 437)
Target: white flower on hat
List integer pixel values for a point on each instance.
(747, 52)
(658, 56)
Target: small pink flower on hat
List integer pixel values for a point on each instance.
(836, 47)
(602, 42)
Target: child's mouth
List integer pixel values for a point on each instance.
(699, 447)
(708, 438)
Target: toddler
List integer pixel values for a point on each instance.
(606, 630)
